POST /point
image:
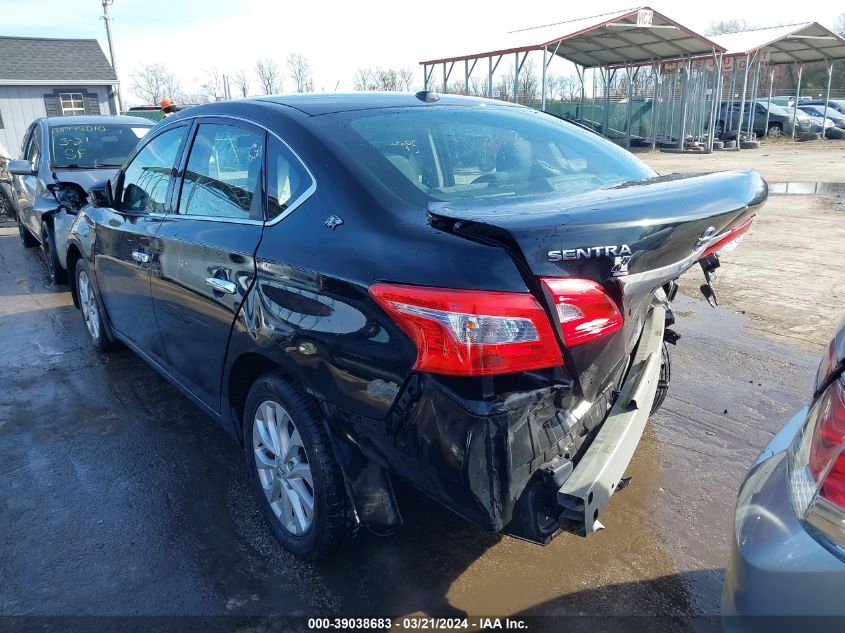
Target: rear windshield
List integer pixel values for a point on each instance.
(458, 153)
(93, 145)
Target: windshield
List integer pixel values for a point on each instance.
(459, 153)
(94, 145)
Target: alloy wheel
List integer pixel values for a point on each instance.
(88, 303)
(283, 468)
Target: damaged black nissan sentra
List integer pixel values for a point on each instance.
(468, 295)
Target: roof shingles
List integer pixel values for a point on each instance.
(43, 59)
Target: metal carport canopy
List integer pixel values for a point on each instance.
(794, 43)
(633, 36)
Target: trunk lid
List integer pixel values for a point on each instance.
(631, 239)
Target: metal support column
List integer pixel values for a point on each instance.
(742, 101)
(466, 76)
(425, 76)
(795, 105)
(683, 106)
(716, 96)
(490, 77)
(769, 101)
(752, 108)
(629, 106)
(827, 96)
(543, 80)
(516, 78)
(655, 104)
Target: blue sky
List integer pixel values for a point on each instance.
(190, 36)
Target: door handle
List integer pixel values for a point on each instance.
(222, 285)
(141, 258)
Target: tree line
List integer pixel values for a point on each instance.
(154, 82)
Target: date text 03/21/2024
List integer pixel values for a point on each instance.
(418, 624)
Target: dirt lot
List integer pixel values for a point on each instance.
(117, 496)
(787, 274)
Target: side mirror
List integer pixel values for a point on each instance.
(21, 168)
(100, 194)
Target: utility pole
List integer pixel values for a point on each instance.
(107, 20)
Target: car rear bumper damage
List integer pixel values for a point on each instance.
(529, 462)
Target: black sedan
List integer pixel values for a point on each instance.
(466, 294)
(60, 158)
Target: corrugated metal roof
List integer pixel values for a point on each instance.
(43, 59)
(807, 42)
(632, 36)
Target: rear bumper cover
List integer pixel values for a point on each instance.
(588, 489)
(502, 462)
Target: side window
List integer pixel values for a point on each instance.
(223, 173)
(26, 141)
(146, 178)
(34, 148)
(287, 178)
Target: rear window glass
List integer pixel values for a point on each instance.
(458, 153)
(95, 145)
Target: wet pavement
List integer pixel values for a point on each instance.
(117, 496)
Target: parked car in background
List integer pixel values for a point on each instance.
(813, 125)
(780, 121)
(817, 111)
(788, 555)
(60, 158)
(466, 294)
(835, 104)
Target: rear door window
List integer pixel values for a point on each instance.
(288, 181)
(223, 175)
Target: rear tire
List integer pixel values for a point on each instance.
(663, 380)
(93, 315)
(58, 275)
(292, 466)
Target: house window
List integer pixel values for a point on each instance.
(72, 103)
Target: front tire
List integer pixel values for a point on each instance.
(91, 308)
(27, 238)
(300, 485)
(58, 275)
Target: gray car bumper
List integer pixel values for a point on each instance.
(777, 567)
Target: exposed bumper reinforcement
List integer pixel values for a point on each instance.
(588, 489)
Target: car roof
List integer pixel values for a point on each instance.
(92, 119)
(317, 103)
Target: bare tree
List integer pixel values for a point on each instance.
(563, 88)
(406, 79)
(153, 82)
(300, 71)
(728, 26)
(269, 76)
(241, 81)
(212, 86)
(839, 27)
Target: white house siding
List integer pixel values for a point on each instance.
(21, 105)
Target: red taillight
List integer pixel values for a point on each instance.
(826, 460)
(728, 240)
(471, 332)
(585, 310)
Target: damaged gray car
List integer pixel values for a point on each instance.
(60, 158)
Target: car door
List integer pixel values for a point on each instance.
(123, 252)
(206, 251)
(28, 187)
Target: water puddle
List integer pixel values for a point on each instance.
(835, 189)
(807, 188)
